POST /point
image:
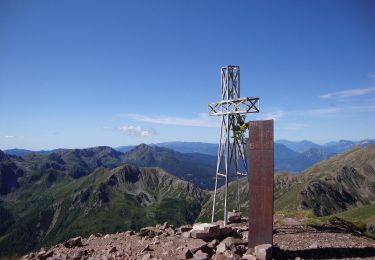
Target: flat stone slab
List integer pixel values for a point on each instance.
(209, 231)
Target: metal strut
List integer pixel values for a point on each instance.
(230, 155)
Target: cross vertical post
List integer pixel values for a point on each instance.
(231, 161)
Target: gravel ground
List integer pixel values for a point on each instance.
(291, 241)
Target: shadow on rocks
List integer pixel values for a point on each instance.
(324, 253)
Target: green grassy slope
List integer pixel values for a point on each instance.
(105, 201)
(343, 182)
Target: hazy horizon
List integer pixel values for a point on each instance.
(117, 146)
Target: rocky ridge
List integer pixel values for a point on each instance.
(292, 240)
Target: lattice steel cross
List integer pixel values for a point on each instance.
(231, 155)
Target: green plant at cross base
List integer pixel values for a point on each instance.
(239, 128)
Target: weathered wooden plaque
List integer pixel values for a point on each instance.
(259, 152)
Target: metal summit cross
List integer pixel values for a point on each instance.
(231, 153)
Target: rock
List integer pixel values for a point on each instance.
(227, 255)
(207, 227)
(91, 237)
(170, 231)
(208, 231)
(249, 257)
(61, 257)
(240, 249)
(236, 233)
(205, 231)
(196, 244)
(185, 254)
(250, 251)
(73, 242)
(186, 234)
(107, 236)
(42, 255)
(370, 226)
(212, 229)
(165, 225)
(228, 243)
(150, 232)
(231, 255)
(146, 256)
(200, 255)
(78, 255)
(129, 233)
(263, 252)
(234, 217)
(314, 245)
(111, 250)
(225, 231)
(147, 248)
(185, 228)
(213, 244)
(221, 248)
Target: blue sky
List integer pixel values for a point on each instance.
(87, 73)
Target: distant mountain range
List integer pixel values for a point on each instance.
(196, 168)
(182, 147)
(290, 156)
(299, 146)
(343, 182)
(329, 148)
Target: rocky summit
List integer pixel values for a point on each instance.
(292, 240)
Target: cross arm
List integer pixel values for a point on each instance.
(234, 106)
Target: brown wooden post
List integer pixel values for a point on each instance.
(259, 152)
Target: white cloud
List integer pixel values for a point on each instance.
(204, 120)
(136, 131)
(275, 115)
(8, 136)
(348, 93)
(294, 126)
(321, 111)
